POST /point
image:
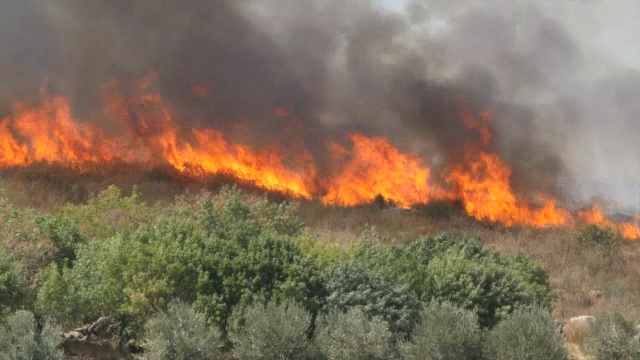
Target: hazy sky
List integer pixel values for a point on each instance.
(610, 25)
(605, 33)
(560, 75)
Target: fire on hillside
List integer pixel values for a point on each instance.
(145, 131)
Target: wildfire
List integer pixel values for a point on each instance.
(372, 167)
(483, 185)
(595, 216)
(145, 131)
(51, 135)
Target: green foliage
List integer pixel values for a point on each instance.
(273, 332)
(20, 234)
(445, 332)
(613, 337)
(604, 239)
(325, 254)
(181, 333)
(108, 214)
(64, 234)
(219, 254)
(353, 336)
(462, 272)
(351, 286)
(92, 288)
(483, 283)
(20, 339)
(527, 334)
(14, 290)
(222, 257)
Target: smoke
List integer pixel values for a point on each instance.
(564, 105)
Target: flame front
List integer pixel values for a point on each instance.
(483, 185)
(595, 216)
(373, 167)
(146, 133)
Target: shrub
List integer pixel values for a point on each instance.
(353, 336)
(109, 213)
(445, 332)
(92, 288)
(181, 333)
(527, 334)
(273, 332)
(613, 337)
(218, 254)
(20, 235)
(462, 272)
(403, 264)
(479, 283)
(20, 339)
(13, 287)
(351, 286)
(604, 239)
(64, 234)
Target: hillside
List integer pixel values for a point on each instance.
(46, 220)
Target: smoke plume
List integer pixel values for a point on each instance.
(564, 109)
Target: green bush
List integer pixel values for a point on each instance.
(351, 286)
(353, 336)
(460, 271)
(445, 332)
(219, 254)
(604, 239)
(64, 234)
(29, 248)
(181, 333)
(13, 287)
(21, 339)
(273, 332)
(94, 287)
(484, 284)
(613, 337)
(527, 334)
(109, 213)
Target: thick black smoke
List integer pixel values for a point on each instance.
(345, 65)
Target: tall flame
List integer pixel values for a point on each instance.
(362, 170)
(372, 167)
(483, 184)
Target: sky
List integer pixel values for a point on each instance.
(605, 33)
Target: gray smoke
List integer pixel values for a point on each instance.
(565, 105)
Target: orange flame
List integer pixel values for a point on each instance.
(483, 185)
(51, 135)
(595, 216)
(374, 167)
(144, 131)
(11, 152)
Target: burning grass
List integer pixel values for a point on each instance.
(146, 134)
